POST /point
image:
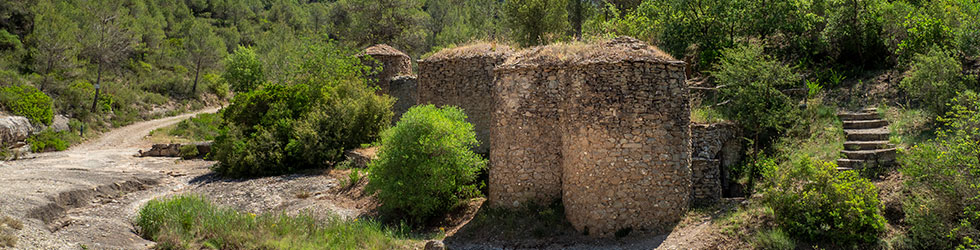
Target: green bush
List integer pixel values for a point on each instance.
(28, 101)
(425, 165)
(217, 86)
(934, 79)
(752, 83)
(49, 140)
(813, 201)
(243, 70)
(942, 212)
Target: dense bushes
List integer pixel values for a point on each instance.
(28, 101)
(425, 165)
(202, 127)
(813, 201)
(282, 128)
(942, 212)
(935, 78)
(752, 82)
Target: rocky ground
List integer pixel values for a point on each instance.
(87, 197)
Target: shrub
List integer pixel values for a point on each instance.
(814, 201)
(280, 128)
(425, 165)
(217, 86)
(192, 222)
(28, 101)
(243, 70)
(49, 140)
(942, 176)
(752, 82)
(935, 78)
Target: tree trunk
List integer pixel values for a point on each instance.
(98, 81)
(197, 73)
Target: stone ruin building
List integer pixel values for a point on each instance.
(715, 148)
(604, 128)
(464, 77)
(395, 78)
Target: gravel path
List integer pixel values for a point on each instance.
(87, 195)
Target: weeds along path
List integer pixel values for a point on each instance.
(86, 196)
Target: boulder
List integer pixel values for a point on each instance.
(15, 129)
(162, 150)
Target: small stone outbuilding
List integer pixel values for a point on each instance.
(395, 79)
(716, 148)
(604, 127)
(464, 77)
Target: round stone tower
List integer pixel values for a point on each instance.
(604, 127)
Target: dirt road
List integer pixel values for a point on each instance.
(87, 196)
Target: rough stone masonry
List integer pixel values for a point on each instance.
(604, 127)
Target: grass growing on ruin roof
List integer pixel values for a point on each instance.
(470, 49)
(192, 222)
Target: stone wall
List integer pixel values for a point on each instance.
(604, 127)
(463, 77)
(403, 89)
(715, 149)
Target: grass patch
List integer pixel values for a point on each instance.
(773, 239)
(706, 115)
(202, 127)
(908, 126)
(192, 222)
(821, 138)
(49, 140)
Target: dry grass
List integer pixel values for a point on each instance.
(472, 49)
(383, 50)
(7, 225)
(614, 50)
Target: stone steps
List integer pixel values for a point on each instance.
(847, 116)
(873, 134)
(867, 143)
(865, 124)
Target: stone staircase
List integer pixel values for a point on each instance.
(866, 144)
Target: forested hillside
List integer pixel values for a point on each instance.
(297, 94)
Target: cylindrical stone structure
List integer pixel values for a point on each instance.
(617, 119)
(463, 77)
(392, 61)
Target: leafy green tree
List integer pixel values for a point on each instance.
(425, 165)
(204, 49)
(243, 70)
(751, 82)
(55, 40)
(534, 22)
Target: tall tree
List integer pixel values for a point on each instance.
(534, 22)
(107, 41)
(204, 49)
(399, 23)
(55, 40)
